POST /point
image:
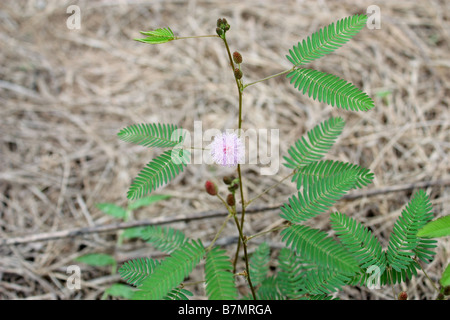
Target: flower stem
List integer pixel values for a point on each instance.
(270, 188)
(191, 37)
(284, 226)
(426, 275)
(240, 225)
(269, 77)
(219, 232)
(244, 246)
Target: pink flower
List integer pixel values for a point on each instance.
(227, 149)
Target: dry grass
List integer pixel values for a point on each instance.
(66, 93)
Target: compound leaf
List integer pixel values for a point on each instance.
(161, 35)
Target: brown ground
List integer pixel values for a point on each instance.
(66, 93)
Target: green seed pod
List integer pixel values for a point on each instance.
(219, 31)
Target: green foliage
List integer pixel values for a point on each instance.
(403, 239)
(159, 171)
(318, 197)
(435, 229)
(120, 290)
(152, 135)
(321, 297)
(178, 294)
(112, 210)
(259, 263)
(316, 246)
(132, 233)
(357, 244)
(171, 272)
(218, 276)
(134, 271)
(313, 264)
(97, 259)
(146, 201)
(162, 238)
(161, 35)
(320, 139)
(289, 275)
(269, 290)
(359, 241)
(392, 276)
(423, 250)
(322, 86)
(331, 89)
(317, 171)
(445, 278)
(323, 280)
(326, 40)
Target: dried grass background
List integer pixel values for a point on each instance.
(64, 95)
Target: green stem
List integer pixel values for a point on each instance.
(231, 213)
(244, 246)
(230, 210)
(270, 188)
(238, 248)
(241, 225)
(269, 77)
(192, 37)
(268, 231)
(219, 232)
(426, 275)
(392, 283)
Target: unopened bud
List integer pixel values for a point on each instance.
(238, 73)
(223, 24)
(237, 57)
(219, 31)
(231, 200)
(211, 188)
(234, 185)
(228, 179)
(403, 296)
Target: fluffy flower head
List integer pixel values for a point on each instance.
(227, 149)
